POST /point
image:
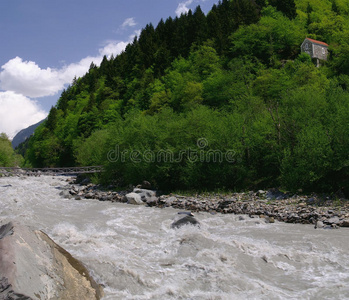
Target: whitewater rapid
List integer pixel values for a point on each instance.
(133, 252)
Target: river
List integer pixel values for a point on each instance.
(133, 252)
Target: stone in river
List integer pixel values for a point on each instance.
(187, 220)
(134, 198)
(142, 196)
(32, 266)
(319, 224)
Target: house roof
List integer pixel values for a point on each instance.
(317, 42)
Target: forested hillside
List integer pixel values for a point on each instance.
(233, 82)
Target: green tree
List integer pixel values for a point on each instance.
(8, 158)
(275, 37)
(52, 119)
(287, 7)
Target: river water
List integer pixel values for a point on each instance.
(133, 252)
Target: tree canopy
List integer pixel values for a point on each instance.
(8, 157)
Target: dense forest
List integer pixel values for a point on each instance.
(233, 82)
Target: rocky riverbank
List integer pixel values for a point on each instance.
(269, 206)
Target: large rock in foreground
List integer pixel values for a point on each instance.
(32, 266)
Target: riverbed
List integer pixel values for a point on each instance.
(133, 252)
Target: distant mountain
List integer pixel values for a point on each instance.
(21, 136)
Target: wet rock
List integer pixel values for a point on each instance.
(134, 198)
(333, 220)
(187, 220)
(319, 224)
(268, 219)
(153, 201)
(187, 213)
(344, 223)
(333, 226)
(90, 195)
(123, 199)
(264, 257)
(146, 195)
(169, 201)
(66, 194)
(6, 293)
(254, 216)
(275, 194)
(32, 266)
(74, 191)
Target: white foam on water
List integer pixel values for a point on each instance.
(135, 254)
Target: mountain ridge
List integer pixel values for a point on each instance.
(24, 134)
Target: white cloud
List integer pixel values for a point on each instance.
(18, 112)
(113, 48)
(129, 22)
(28, 79)
(182, 7)
(135, 33)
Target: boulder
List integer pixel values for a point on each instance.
(344, 223)
(146, 185)
(66, 194)
(134, 198)
(90, 195)
(319, 224)
(269, 219)
(153, 201)
(148, 196)
(32, 266)
(334, 220)
(276, 194)
(170, 201)
(187, 220)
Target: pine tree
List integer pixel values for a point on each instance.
(309, 11)
(52, 119)
(245, 12)
(335, 7)
(287, 7)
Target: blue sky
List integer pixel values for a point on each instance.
(46, 43)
